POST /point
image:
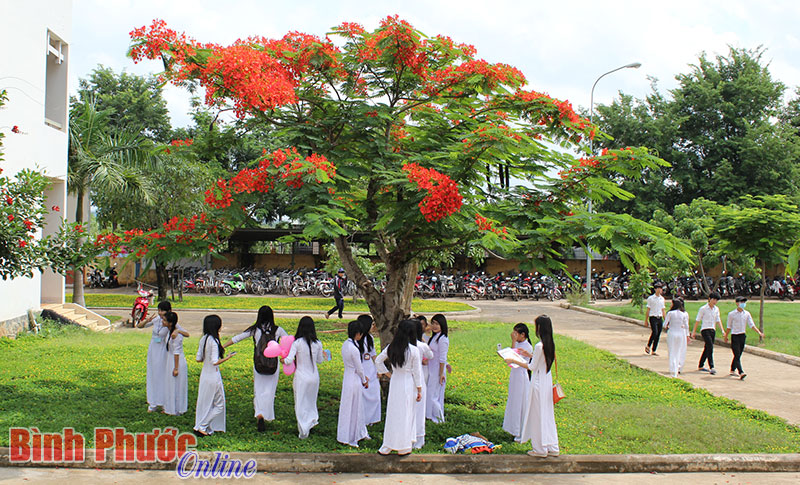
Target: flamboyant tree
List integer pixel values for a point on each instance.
(403, 136)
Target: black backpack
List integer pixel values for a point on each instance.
(264, 365)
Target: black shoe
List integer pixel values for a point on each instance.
(261, 425)
(199, 434)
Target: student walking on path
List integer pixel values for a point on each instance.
(339, 284)
(738, 321)
(677, 326)
(708, 318)
(654, 318)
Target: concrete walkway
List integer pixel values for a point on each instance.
(770, 385)
(133, 477)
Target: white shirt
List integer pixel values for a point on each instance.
(677, 321)
(656, 305)
(708, 316)
(739, 320)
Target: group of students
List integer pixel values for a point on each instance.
(415, 392)
(415, 362)
(416, 365)
(676, 322)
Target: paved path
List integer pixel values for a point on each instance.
(60, 476)
(771, 386)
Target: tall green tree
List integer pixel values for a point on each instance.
(175, 184)
(400, 135)
(102, 160)
(718, 129)
(134, 103)
(760, 227)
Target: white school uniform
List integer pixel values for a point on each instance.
(372, 394)
(400, 430)
(176, 387)
(677, 324)
(434, 407)
(156, 356)
(210, 409)
(352, 426)
(264, 385)
(518, 392)
(419, 407)
(305, 383)
(539, 425)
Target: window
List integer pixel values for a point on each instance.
(55, 97)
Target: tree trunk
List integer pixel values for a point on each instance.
(704, 286)
(761, 308)
(161, 281)
(389, 308)
(77, 272)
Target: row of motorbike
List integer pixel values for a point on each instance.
(260, 282)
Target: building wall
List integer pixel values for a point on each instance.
(37, 90)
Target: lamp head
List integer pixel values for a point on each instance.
(634, 65)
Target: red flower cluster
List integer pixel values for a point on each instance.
(219, 196)
(485, 224)
(256, 74)
(398, 39)
(15, 129)
(554, 112)
(182, 143)
(444, 80)
(286, 165)
(443, 198)
(9, 200)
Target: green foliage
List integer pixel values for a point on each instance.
(720, 132)
(639, 287)
(763, 227)
(82, 379)
(135, 103)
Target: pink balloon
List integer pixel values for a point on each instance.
(289, 369)
(273, 349)
(286, 345)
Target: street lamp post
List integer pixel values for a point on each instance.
(633, 65)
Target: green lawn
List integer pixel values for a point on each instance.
(781, 321)
(71, 377)
(254, 303)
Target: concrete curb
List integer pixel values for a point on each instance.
(768, 354)
(477, 464)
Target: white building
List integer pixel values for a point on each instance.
(34, 69)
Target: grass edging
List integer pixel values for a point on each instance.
(767, 354)
(464, 463)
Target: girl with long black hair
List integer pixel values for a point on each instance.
(157, 356)
(677, 326)
(401, 360)
(437, 368)
(352, 426)
(518, 382)
(539, 424)
(307, 352)
(372, 394)
(177, 379)
(264, 385)
(210, 408)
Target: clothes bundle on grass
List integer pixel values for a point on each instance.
(470, 443)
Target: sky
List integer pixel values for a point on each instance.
(562, 47)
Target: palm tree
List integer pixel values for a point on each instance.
(103, 160)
